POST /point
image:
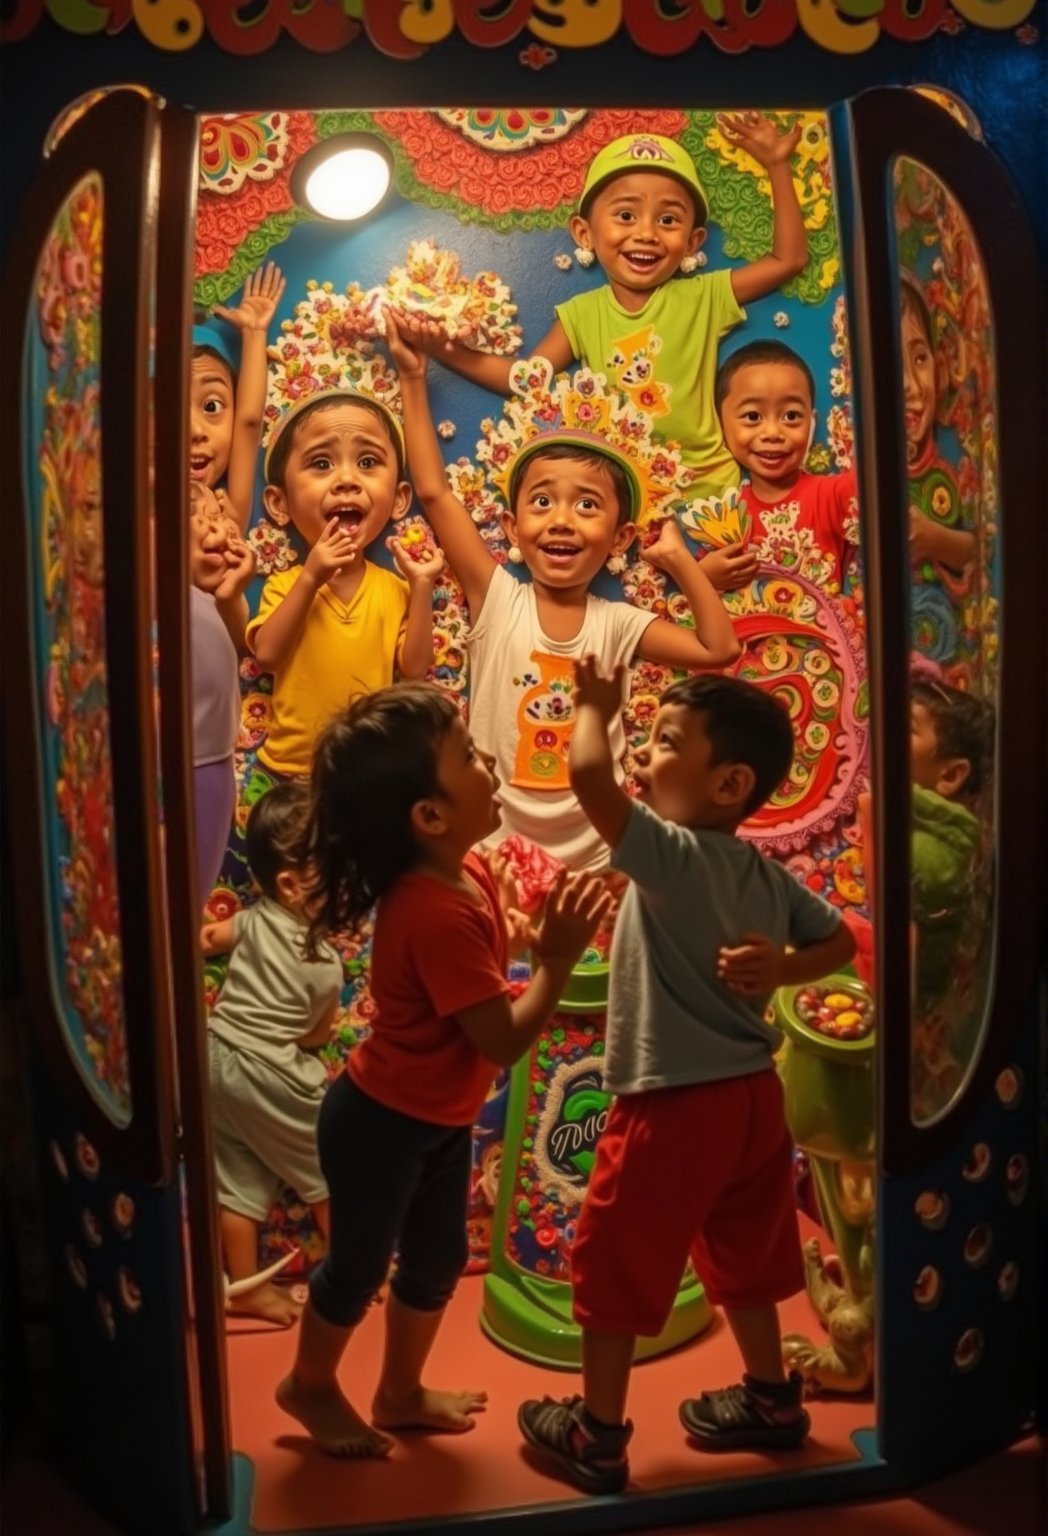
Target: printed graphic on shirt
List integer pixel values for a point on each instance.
(632, 368)
(545, 716)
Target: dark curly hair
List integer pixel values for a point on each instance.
(744, 725)
(370, 766)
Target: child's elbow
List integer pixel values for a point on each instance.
(726, 653)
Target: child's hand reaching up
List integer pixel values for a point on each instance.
(591, 687)
(575, 906)
(666, 548)
(753, 968)
(758, 136)
(413, 338)
(262, 293)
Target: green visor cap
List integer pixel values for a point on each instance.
(643, 152)
(590, 443)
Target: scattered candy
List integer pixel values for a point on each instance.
(839, 1014)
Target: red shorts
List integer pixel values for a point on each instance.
(705, 1170)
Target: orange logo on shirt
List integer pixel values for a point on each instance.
(632, 365)
(545, 716)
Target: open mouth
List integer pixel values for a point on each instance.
(350, 519)
(642, 261)
(199, 464)
(560, 554)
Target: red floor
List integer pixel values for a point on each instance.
(297, 1487)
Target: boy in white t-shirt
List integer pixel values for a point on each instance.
(573, 498)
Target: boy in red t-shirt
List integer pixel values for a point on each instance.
(765, 397)
(400, 796)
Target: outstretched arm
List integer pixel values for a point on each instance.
(430, 337)
(467, 554)
(713, 642)
(759, 137)
(591, 766)
(252, 318)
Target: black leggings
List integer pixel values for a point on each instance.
(396, 1184)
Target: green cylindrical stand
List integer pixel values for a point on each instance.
(557, 1110)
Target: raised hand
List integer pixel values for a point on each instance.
(592, 687)
(575, 907)
(421, 334)
(667, 548)
(332, 552)
(417, 561)
(258, 303)
(730, 568)
(759, 136)
(240, 567)
(752, 967)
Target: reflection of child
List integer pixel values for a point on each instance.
(220, 567)
(699, 947)
(401, 795)
(276, 1006)
(224, 436)
(765, 396)
(338, 625)
(572, 498)
(937, 536)
(951, 746)
(642, 215)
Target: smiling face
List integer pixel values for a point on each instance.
(767, 418)
(567, 519)
(210, 418)
(640, 226)
(920, 390)
(210, 529)
(675, 774)
(341, 462)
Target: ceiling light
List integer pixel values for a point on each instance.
(343, 178)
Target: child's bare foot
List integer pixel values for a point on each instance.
(332, 1420)
(268, 1301)
(427, 1409)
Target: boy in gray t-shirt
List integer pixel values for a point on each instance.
(274, 1009)
(696, 1158)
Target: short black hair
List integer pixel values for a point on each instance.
(216, 356)
(753, 353)
(276, 467)
(619, 479)
(964, 727)
(274, 837)
(744, 724)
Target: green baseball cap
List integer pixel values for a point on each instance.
(644, 152)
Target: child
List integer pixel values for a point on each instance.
(699, 947)
(765, 398)
(642, 215)
(224, 436)
(951, 748)
(277, 1004)
(401, 794)
(220, 567)
(337, 626)
(938, 542)
(572, 499)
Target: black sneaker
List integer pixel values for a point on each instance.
(593, 1459)
(751, 1415)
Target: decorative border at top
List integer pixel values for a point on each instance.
(407, 29)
